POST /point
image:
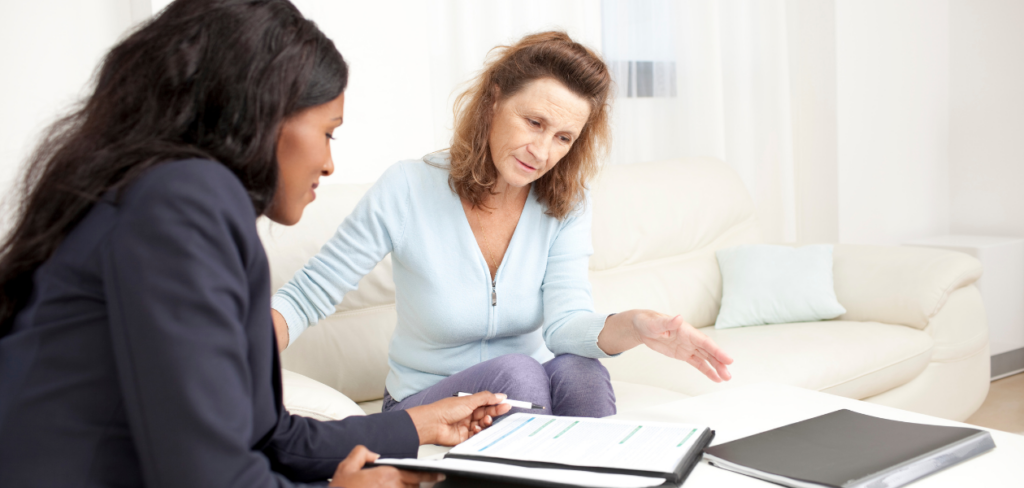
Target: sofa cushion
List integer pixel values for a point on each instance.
(634, 396)
(763, 284)
(899, 285)
(650, 211)
(853, 359)
(347, 351)
(372, 406)
(310, 398)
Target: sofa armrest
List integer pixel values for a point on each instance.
(309, 398)
(898, 285)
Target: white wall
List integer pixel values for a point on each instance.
(893, 119)
(388, 113)
(987, 117)
(48, 51)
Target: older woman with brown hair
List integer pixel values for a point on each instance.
(490, 243)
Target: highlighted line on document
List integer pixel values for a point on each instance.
(541, 428)
(686, 438)
(567, 429)
(520, 426)
(623, 441)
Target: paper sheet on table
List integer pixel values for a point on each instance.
(569, 477)
(586, 442)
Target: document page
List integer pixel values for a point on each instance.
(577, 441)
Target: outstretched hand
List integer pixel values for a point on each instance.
(452, 420)
(675, 338)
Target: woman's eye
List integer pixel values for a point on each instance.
(329, 136)
(566, 139)
(534, 123)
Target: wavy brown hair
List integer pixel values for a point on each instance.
(544, 55)
(211, 79)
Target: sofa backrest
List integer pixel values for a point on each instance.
(656, 228)
(655, 232)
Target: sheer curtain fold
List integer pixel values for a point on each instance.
(732, 98)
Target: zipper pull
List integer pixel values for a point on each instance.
(494, 294)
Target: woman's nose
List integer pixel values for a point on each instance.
(540, 148)
(328, 168)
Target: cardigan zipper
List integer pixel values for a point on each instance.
(494, 292)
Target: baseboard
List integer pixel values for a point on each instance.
(1007, 363)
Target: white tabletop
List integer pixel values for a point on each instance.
(747, 410)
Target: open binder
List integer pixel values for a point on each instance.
(564, 451)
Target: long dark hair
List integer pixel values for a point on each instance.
(209, 79)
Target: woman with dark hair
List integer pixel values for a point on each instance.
(136, 343)
(490, 243)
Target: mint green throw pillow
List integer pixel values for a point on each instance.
(764, 284)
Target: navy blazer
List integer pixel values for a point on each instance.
(146, 354)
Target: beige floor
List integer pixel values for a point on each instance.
(1004, 407)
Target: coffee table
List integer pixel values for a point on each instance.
(746, 410)
(749, 409)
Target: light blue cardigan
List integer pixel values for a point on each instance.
(449, 315)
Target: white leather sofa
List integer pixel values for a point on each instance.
(914, 335)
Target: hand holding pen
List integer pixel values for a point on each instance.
(507, 401)
(450, 421)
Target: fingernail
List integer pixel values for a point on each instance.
(440, 477)
(501, 396)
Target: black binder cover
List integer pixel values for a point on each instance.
(675, 477)
(840, 448)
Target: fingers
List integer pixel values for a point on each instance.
(356, 458)
(714, 355)
(705, 368)
(478, 425)
(720, 368)
(498, 410)
(414, 478)
(707, 363)
(483, 398)
(710, 348)
(490, 411)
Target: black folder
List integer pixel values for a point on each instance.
(849, 450)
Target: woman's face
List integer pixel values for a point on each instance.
(533, 129)
(303, 155)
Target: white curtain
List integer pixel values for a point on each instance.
(694, 78)
(731, 99)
